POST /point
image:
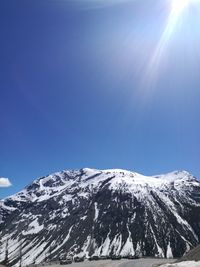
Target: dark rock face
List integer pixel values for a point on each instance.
(92, 212)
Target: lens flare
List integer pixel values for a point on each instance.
(176, 14)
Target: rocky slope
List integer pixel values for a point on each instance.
(192, 255)
(101, 212)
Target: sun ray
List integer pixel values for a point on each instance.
(176, 13)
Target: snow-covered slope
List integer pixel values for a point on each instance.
(101, 212)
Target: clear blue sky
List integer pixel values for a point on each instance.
(100, 85)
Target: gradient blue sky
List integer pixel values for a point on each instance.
(77, 88)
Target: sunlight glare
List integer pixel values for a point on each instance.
(175, 15)
(179, 5)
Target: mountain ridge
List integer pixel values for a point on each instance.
(173, 176)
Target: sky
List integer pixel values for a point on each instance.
(99, 84)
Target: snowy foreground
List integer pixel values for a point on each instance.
(183, 264)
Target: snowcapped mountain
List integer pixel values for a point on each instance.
(101, 212)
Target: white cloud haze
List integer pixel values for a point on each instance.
(5, 182)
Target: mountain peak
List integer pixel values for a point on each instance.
(176, 175)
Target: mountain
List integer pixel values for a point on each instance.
(101, 212)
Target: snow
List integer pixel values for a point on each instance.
(67, 198)
(85, 247)
(118, 171)
(2, 205)
(33, 228)
(96, 212)
(105, 246)
(169, 252)
(173, 176)
(83, 194)
(90, 172)
(114, 246)
(92, 179)
(183, 264)
(83, 218)
(128, 246)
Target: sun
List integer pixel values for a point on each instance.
(179, 5)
